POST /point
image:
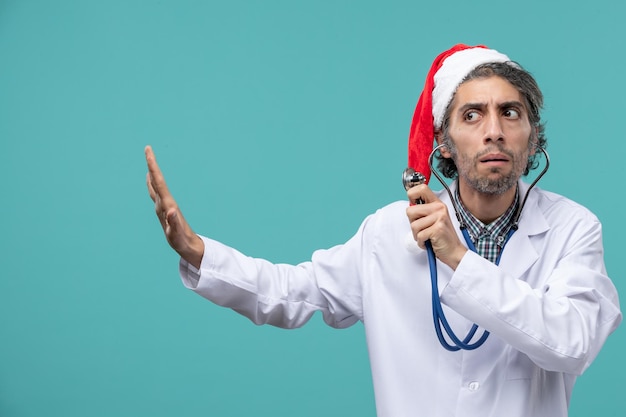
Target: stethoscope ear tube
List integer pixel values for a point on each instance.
(541, 174)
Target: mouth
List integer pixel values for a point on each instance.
(494, 159)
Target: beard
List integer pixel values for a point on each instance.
(488, 184)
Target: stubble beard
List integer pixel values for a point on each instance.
(485, 184)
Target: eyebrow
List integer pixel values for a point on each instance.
(503, 105)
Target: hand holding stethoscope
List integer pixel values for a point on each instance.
(430, 221)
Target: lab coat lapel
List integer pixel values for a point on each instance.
(520, 253)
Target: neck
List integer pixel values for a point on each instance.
(485, 207)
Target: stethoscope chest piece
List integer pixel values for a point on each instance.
(411, 178)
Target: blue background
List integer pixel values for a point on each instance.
(279, 125)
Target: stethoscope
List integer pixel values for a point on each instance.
(411, 178)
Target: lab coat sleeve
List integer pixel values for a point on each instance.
(560, 325)
(279, 294)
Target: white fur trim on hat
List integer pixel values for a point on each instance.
(452, 72)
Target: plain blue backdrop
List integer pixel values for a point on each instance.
(280, 125)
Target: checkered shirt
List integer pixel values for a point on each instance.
(489, 239)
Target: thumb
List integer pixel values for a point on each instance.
(172, 218)
(173, 230)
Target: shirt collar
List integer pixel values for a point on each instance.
(497, 229)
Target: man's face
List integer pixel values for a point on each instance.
(488, 136)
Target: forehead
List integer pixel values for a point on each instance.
(487, 90)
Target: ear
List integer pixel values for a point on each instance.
(443, 151)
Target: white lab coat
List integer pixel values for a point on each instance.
(549, 306)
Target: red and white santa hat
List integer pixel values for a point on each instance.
(445, 75)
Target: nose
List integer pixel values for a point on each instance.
(493, 129)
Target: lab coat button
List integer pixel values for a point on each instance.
(473, 386)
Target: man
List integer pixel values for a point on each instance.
(542, 293)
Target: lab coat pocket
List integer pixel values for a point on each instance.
(514, 394)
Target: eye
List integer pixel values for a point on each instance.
(511, 114)
(471, 116)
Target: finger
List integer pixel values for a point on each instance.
(171, 219)
(173, 227)
(150, 188)
(417, 211)
(156, 176)
(157, 201)
(415, 196)
(158, 204)
(421, 229)
(153, 170)
(420, 194)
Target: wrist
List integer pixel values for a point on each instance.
(454, 260)
(194, 251)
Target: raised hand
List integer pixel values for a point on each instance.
(177, 231)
